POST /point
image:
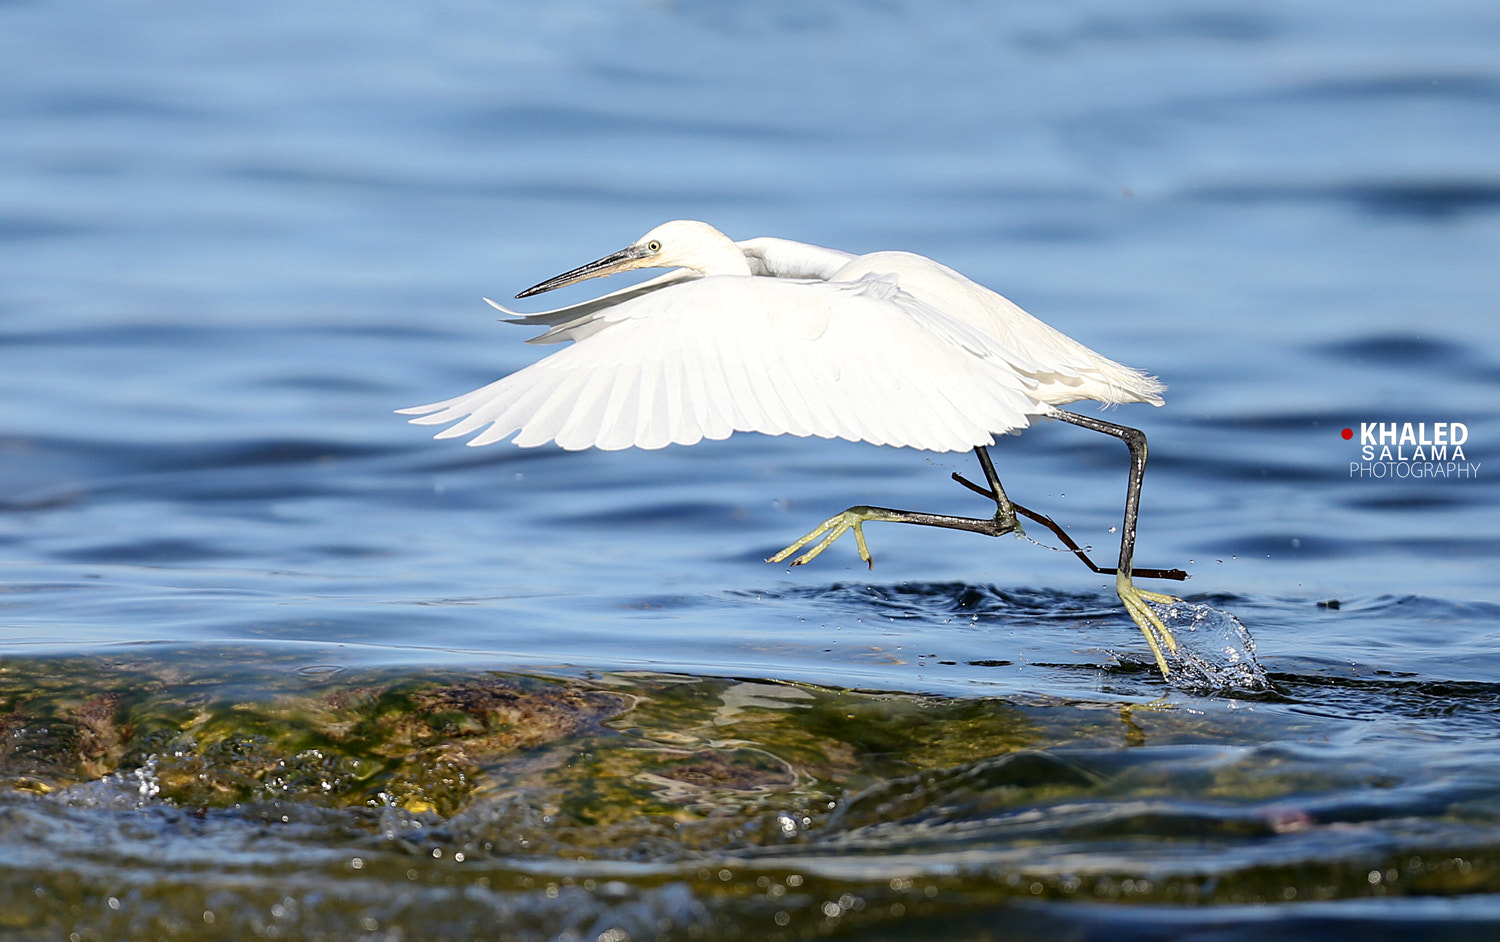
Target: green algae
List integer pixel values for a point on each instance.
(416, 741)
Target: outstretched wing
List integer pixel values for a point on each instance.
(708, 357)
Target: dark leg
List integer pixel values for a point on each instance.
(1004, 509)
(1004, 521)
(1135, 440)
(1135, 571)
(1151, 625)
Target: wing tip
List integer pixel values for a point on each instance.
(502, 308)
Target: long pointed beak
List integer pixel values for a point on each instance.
(623, 260)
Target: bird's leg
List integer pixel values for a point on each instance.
(1004, 521)
(1151, 625)
(1135, 571)
(855, 517)
(1005, 511)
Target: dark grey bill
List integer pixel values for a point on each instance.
(601, 266)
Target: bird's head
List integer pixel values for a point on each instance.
(682, 243)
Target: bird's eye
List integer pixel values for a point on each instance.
(653, 246)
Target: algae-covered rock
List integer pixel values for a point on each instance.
(417, 741)
(263, 797)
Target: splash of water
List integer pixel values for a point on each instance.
(1214, 651)
(130, 790)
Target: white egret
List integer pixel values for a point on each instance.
(779, 337)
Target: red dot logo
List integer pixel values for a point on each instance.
(1348, 433)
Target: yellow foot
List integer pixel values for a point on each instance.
(1157, 634)
(835, 527)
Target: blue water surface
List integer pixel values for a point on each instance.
(235, 238)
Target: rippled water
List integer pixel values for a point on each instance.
(233, 240)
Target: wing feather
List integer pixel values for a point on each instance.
(617, 424)
(718, 402)
(696, 401)
(683, 423)
(651, 423)
(1062, 369)
(525, 392)
(773, 404)
(849, 387)
(811, 389)
(583, 423)
(812, 369)
(703, 357)
(744, 411)
(507, 414)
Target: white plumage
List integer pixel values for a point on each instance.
(784, 338)
(780, 337)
